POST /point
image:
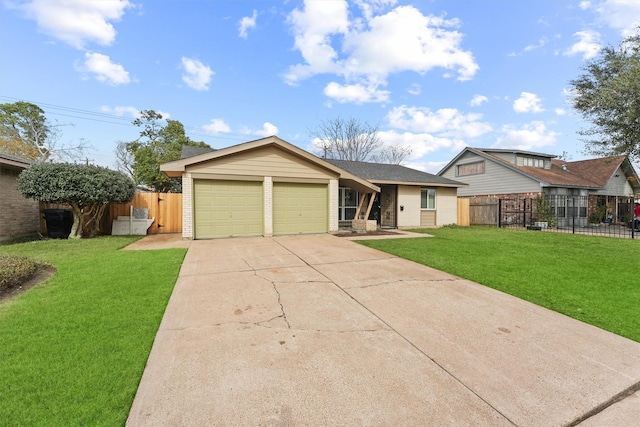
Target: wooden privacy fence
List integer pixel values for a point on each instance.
(463, 212)
(165, 208)
(483, 211)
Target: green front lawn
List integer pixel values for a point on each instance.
(593, 279)
(72, 350)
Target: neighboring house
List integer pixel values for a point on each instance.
(270, 187)
(606, 183)
(18, 216)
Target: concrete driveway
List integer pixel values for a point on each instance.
(318, 330)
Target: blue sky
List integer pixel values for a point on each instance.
(436, 76)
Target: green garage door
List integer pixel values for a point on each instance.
(227, 208)
(300, 208)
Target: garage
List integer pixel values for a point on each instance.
(300, 208)
(227, 208)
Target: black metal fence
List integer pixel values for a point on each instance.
(569, 214)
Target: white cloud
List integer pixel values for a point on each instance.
(247, 23)
(560, 111)
(121, 111)
(103, 69)
(268, 129)
(543, 41)
(196, 75)
(366, 50)
(588, 45)
(77, 22)
(447, 122)
(216, 126)
(528, 137)
(129, 110)
(420, 144)
(528, 103)
(415, 89)
(356, 93)
(478, 100)
(584, 5)
(621, 15)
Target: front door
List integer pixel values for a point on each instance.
(388, 206)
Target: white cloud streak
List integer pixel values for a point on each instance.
(588, 45)
(528, 103)
(77, 22)
(247, 23)
(217, 126)
(103, 69)
(196, 75)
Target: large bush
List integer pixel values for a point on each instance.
(88, 189)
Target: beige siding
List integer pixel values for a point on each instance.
(497, 179)
(617, 186)
(446, 206)
(409, 197)
(267, 161)
(427, 218)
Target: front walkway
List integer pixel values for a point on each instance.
(318, 330)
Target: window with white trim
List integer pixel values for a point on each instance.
(347, 203)
(531, 162)
(428, 198)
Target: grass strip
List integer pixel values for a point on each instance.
(592, 279)
(72, 350)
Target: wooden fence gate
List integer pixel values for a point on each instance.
(165, 208)
(483, 211)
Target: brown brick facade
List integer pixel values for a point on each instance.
(18, 216)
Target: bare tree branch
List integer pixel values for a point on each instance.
(346, 139)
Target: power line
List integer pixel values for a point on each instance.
(120, 120)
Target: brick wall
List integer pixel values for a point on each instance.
(18, 216)
(187, 207)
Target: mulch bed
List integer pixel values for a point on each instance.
(369, 233)
(43, 273)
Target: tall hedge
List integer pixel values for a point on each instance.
(88, 189)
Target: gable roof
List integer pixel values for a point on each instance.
(384, 173)
(190, 151)
(17, 161)
(589, 174)
(175, 168)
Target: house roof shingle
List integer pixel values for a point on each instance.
(386, 173)
(10, 159)
(591, 173)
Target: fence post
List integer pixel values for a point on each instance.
(573, 215)
(499, 213)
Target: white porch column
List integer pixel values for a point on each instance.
(333, 205)
(267, 187)
(187, 206)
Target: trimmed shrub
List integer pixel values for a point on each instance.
(15, 270)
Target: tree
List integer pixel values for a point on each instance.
(157, 144)
(124, 159)
(351, 139)
(346, 139)
(88, 189)
(392, 154)
(608, 96)
(26, 132)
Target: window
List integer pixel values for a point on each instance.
(347, 204)
(470, 169)
(428, 198)
(534, 163)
